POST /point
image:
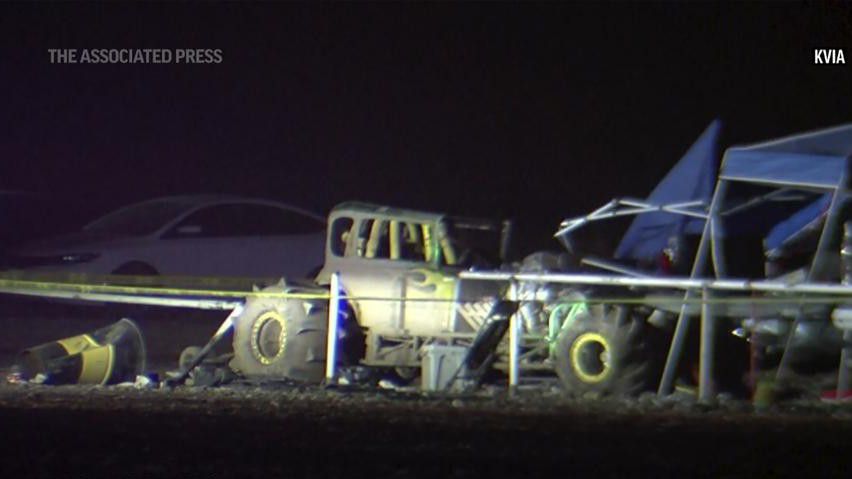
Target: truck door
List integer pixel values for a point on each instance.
(371, 278)
(429, 288)
(395, 279)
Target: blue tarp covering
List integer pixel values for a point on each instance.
(692, 178)
(816, 159)
(809, 159)
(805, 217)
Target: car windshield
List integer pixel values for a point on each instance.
(138, 220)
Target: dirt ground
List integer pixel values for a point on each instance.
(275, 430)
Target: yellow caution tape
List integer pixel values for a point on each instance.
(190, 282)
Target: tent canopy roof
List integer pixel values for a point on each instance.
(815, 159)
(692, 178)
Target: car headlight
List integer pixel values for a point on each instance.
(78, 258)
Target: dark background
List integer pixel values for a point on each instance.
(533, 111)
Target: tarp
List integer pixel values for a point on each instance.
(804, 219)
(816, 159)
(692, 178)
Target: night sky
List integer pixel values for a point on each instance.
(536, 112)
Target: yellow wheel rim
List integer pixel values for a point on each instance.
(590, 357)
(268, 334)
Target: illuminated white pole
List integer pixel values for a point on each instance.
(514, 339)
(331, 340)
(706, 387)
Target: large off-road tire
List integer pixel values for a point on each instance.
(597, 352)
(279, 338)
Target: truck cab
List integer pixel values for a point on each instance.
(399, 273)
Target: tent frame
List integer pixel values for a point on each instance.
(710, 251)
(711, 245)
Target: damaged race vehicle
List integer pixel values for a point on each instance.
(403, 295)
(757, 259)
(412, 282)
(398, 271)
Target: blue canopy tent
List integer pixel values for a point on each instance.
(814, 163)
(767, 195)
(816, 159)
(692, 178)
(806, 219)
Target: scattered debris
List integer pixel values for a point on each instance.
(109, 355)
(141, 382)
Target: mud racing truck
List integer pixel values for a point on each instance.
(398, 272)
(403, 292)
(765, 265)
(762, 249)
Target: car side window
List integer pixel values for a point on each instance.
(383, 239)
(234, 220)
(373, 240)
(411, 245)
(270, 220)
(207, 222)
(340, 231)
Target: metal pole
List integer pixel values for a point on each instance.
(226, 326)
(194, 303)
(846, 351)
(331, 339)
(513, 350)
(675, 350)
(514, 340)
(682, 328)
(717, 250)
(843, 371)
(706, 389)
(685, 283)
(816, 271)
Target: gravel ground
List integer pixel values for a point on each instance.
(277, 430)
(245, 431)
